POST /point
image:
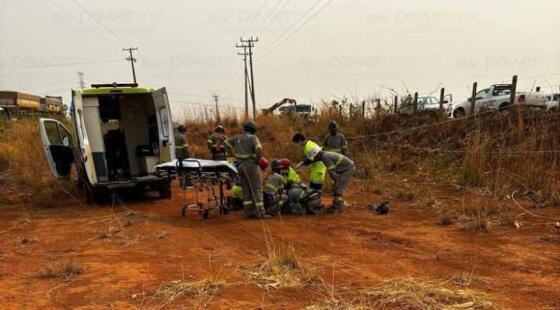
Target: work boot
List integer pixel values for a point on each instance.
(338, 204)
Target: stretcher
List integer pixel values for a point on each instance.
(207, 178)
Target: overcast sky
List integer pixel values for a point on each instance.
(332, 48)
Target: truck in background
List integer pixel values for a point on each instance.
(497, 96)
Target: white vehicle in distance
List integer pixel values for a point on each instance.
(498, 97)
(425, 103)
(553, 102)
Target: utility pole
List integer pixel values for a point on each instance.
(81, 77)
(441, 98)
(415, 103)
(245, 77)
(132, 60)
(216, 97)
(250, 44)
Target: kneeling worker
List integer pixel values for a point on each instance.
(274, 197)
(290, 176)
(247, 151)
(340, 168)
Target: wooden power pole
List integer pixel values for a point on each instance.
(132, 61)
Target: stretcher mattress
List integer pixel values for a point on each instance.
(193, 164)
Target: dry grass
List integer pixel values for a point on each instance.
(281, 269)
(63, 270)
(25, 176)
(406, 293)
(202, 290)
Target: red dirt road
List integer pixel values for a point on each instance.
(127, 255)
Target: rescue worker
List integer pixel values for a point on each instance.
(216, 143)
(302, 201)
(335, 141)
(247, 151)
(181, 150)
(341, 169)
(289, 175)
(274, 196)
(318, 170)
(181, 146)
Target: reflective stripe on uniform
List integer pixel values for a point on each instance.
(338, 161)
(247, 203)
(334, 150)
(271, 186)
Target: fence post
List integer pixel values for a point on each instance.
(513, 90)
(363, 109)
(415, 103)
(473, 99)
(441, 96)
(396, 105)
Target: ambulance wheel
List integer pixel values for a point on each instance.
(165, 192)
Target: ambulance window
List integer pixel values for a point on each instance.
(51, 128)
(163, 115)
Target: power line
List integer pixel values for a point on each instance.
(265, 20)
(287, 34)
(69, 64)
(255, 17)
(99, 22)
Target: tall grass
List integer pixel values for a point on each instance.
(501, 151)
(24, 173)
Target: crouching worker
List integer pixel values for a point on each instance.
(289, 175)
(247, 151)
(317, 169)
(274, 197)
(340, 168)
(235, 201)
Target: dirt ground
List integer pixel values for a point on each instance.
(127, 252)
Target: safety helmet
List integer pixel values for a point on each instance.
(250, 126)
(333, 125)
(219, 128)
(298, 137)
(263, 163)
(383, 208)
(276, 165)
(285, 163)
(313, 152)
(181, 128)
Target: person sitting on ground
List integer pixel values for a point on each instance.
(273, 192)
(290, 176)
(340, 168)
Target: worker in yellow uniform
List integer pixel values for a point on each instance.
(247, 150)
(318, 170)
(290, 176)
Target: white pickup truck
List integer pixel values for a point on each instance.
(553, 102)
(497, 97)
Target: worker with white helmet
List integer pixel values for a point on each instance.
(318, 170)
(340, 168)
